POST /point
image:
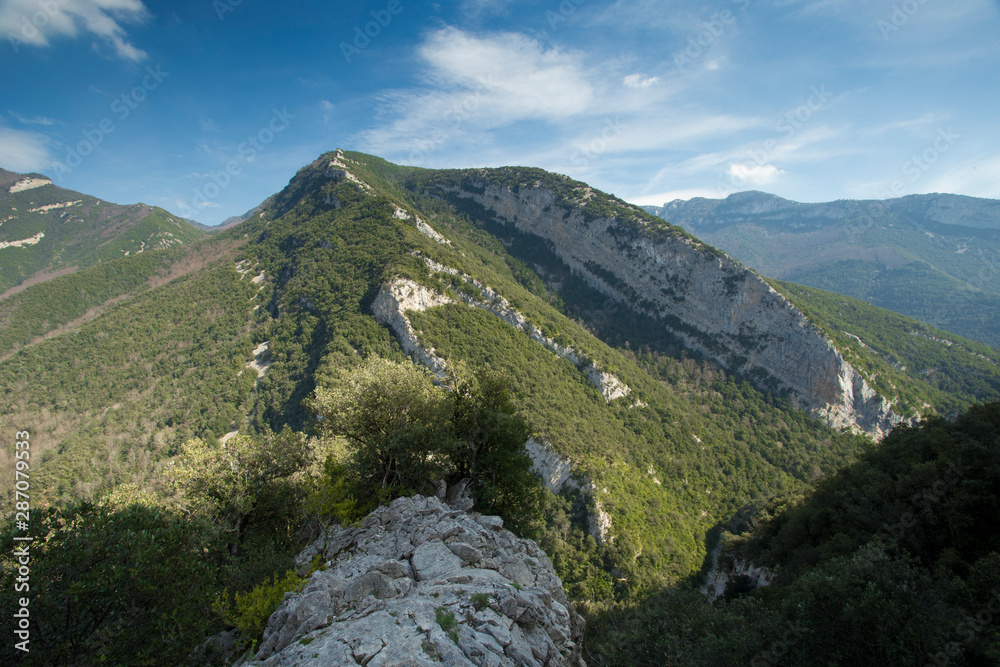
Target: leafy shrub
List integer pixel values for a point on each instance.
(253, 608)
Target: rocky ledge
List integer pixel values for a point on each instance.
(420, 583)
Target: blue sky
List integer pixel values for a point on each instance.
(205, 108)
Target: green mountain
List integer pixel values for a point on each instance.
(46, 231)
(667, 385)
(934, 257)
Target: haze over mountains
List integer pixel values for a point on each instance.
(933, 257)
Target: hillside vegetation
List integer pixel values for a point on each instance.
(928, 369)
(140, 371)
(892, 561)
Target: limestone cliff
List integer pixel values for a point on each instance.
(420, 583)
(712, 302)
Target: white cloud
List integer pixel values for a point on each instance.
(22, 150)
(911, 125)
(753, 174)
(522, 78)
(640, 80)
(328, 108)
(477, 83)
(29, 22)
(207, 125)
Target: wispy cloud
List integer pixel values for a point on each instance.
(33, 120)
(23, 150)
(978, 178)
(31, 23)
(640, 80)
(481, 82)
(328, 108)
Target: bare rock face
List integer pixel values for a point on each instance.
(390, 306)
(421, 583)
(716, 305)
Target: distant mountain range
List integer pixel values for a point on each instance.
(47, 230)
(934, 257)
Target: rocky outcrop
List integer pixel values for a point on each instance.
(421, 583)
(29, 183)
(710, 301)
(395, 298)
(731, 571)
(22, 243)
(422, 226)
(557, 474)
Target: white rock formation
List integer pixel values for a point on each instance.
(52, 207)
(556, 474)
(395, 298)
(29, 184)
(427, 230)
(420, 583)
(261, 359)
(338, 169)
(22, 243)
(609, 385)
(726, 568)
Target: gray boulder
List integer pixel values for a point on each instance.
(421, 583)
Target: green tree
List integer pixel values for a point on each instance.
(244, 481)
(490, 451)
(396, 421)
(111, 585)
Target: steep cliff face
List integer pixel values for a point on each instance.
(421, 583)
(712, 302)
